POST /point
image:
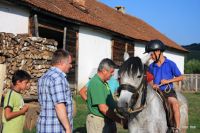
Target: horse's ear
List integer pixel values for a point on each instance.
(146, 58)
(126, 56)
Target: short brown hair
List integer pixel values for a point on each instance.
(59, 55)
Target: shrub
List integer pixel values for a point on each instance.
(192, 66)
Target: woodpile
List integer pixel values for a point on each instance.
(32, 54)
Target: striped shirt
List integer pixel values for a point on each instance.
(53, 88)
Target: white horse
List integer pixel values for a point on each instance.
(140, 104)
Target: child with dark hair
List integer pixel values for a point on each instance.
(14, 109)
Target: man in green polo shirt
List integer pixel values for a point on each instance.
(101, 117)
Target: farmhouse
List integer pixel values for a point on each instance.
(89, 29)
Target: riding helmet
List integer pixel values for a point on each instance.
(154, 45)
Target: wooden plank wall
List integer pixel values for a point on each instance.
(71, 42)
(58, 26)
(118, 49)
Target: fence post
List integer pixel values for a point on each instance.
(189, 81)
(196, 87)
(192, 82)
(2, 76)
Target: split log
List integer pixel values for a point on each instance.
(32, 54)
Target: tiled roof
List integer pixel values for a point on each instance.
(100, 15)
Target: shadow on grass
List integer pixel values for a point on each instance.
(80, 130)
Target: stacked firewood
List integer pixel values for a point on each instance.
(32, 54)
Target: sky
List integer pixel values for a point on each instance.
(179, 20)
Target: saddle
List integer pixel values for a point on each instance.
(169, 113)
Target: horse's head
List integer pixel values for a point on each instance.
(132, 75)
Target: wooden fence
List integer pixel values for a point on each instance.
(191, 83)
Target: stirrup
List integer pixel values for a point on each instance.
(176, 130)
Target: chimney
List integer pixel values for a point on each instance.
(80, 3)
(120, 8)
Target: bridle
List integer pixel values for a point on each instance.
(136, 92)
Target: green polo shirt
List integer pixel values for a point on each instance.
(14, 101)
(99, 93)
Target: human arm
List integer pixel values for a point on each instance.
(150, 78)
(99, 98)
(165, 81)
(177, 76)
(60, 94)
(104, 109)
(155, 86)
(176, 79)
(62, 116)
(83, 93)
(9, 114)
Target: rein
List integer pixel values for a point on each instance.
(136, 94)
(143, 99)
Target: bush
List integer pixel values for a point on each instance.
(192, 67)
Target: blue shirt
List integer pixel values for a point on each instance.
(167, 70)
(53, 88)
(112, 83)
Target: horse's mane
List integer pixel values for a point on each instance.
(131, 66)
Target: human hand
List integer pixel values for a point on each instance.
(25, 109)
(155, 87)
(164, 81)
(68, 130)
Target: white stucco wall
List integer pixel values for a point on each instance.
(139, 50)
(93, 47)
(13, 19)
(177, 57)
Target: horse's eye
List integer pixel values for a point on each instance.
(139, 76)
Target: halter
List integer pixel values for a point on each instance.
(135, 95)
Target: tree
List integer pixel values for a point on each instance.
(192, 67)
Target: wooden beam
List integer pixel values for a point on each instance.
(64, 38)
(50, 28)
(76, 62)
(36, 31)
(112, 49)
(126, 47)
(30, 98)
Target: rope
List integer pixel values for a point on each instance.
(144, 106)
(166, 90)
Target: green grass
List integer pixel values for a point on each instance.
(80, 118)
(27, 131)
(194, 115)
(194, 112)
